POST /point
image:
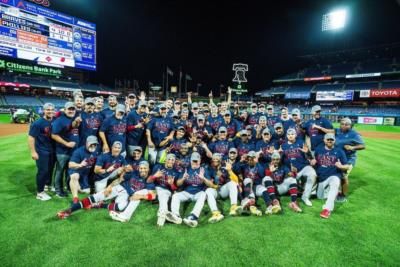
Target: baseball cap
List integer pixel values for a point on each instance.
(262, 118)
(195, 105)
(151, 101)
(222, 129)
(200, 117)
(91, 139)
(266, 130)
(315, 108)
(162, 105)
(253, 105)
(329, 136)
(270, 107)
(69, 105)
(137, 148)
(277, 125)
(142, 103)
(184, 104)
(185, 111)
(227, 112)
(252, 154)
(144, 163)
(195, 156)
(216, 156)
(181, 128)
(261, 106)
(120, 108)
(249, 127)
(291, 131)
(131, 95)
(170, 156)
(275, 155)
(112, 96)
(296, 111)
(89, 100)
(346, 121)
(233, 149)
(243, 132)
(117, 143)
(177, 102)
(48, 105)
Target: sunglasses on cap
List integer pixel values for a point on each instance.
(164, 108)
(295, 115)
(71, 108)
(177, 103)
(185, 105)
(269, 108)
(222, 132)
(266, 134)
(206, 111)
(195, 108)
(227, 115)
(131, 97)
(330, 140)
(278, 128)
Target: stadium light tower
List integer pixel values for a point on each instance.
(334, 20)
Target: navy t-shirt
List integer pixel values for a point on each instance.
(168, 173)
(214, 122)
(194, 184)
(351, 138)
(41, 131)
(326, 160)
(244, 148)
(135, 135)
(317, 136)
(292, 155)
(105, 161)
(219, 177)
(279, 175)
(82, 154)
(255, 173)
(233, 127)
(114, 130)
(160, 128)
(90, 125)
(264, 147)
(62, 126)
(221, 146)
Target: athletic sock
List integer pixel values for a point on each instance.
(266, 198)
(293, 192)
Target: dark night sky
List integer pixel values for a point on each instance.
(138, 39)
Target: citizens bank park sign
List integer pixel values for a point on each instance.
(380, 93)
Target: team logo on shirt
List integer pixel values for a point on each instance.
(119, 128)
(93, 123)
(326, 160)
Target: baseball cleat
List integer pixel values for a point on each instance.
(276, 207)
(268, 211)
(43, 196)
(306, 201)
(293, 206)
(216, 217)
(63, 214)
(97, 205)
(161, 219)
(235, 210)
(325, 213)
(171, 217)
(255, 211)
(191, 221)
(116, 216)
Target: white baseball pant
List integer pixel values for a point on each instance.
(133, 204)
(282, 188)
(102, 184)
(311, 177)
(229, 188)
(333, 182)
(119, 192)
(163, 198)
(184, 196)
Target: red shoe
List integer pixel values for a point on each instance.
(295, 207)
(325, 213)
(63, 214)
(75, 200)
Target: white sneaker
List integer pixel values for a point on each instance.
(216, 217)
(190, 221)
(43, 196)
(53, 189)
(171, 217)
(117, 216)
(46, 188)
(85, 191)
(161, 219)
(307, 202)
(268, 211)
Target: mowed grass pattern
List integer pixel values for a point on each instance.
(363, 232)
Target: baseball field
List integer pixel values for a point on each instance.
(362, 232)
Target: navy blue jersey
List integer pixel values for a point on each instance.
(107, 113)
(176, 144)
(317, 136)
(289, 123)
(160, 128)
(279, 175)
(271, 120)
(292, 155)
(219, 176)
(168, 173)
(233, 127)
(215, 122)
(194, 184)
(182, 162)
(221, 146)
(244, 148)
(326, 160)
(62, 126)
(133, 182)
(105, 161)
(82, 154)
(134, 135)
(114, 130)
(255, 173)
(202, 132)
(278, 139)
(90, 125)
(351, 138)
(134, 164)
(264, 147)
(41, 131)
(252, 119)
(300, 133)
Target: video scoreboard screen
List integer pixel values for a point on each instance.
(32, 32)
(335, 95)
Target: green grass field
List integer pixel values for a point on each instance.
(362, 232)
(5, 118)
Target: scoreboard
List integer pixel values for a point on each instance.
(32, 32)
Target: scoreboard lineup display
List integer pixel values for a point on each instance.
(32, 32)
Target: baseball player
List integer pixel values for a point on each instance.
(226, 182)
(112, 105)
(177, 142)
(330, 163)
(231, 124)
(221, 146)
(253, 116)
(91, 121)
(113, 129)
(243, 144)
(65, 133)
(42, 151)
(194, 181)
(316, 128)
(279, 136)
(99, 104)
(279, 176)
(214, 120)
(136, 124)
(182, 158)
(164, 178)
(81, 165)
(265, 147)
(135, 158)
(136, 189)
(271, 118)
(350, 141)
(108, 166)
(299, 124)
(286, 121)
(295, 158)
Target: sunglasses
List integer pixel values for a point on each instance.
(222, 132)
(232, 152)
(195, 108)
(177, 103)
(163, 108)
(266, 134)
(70, 108)
(330, 140)
(227, 115)
(278, 128)
(206, 111)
